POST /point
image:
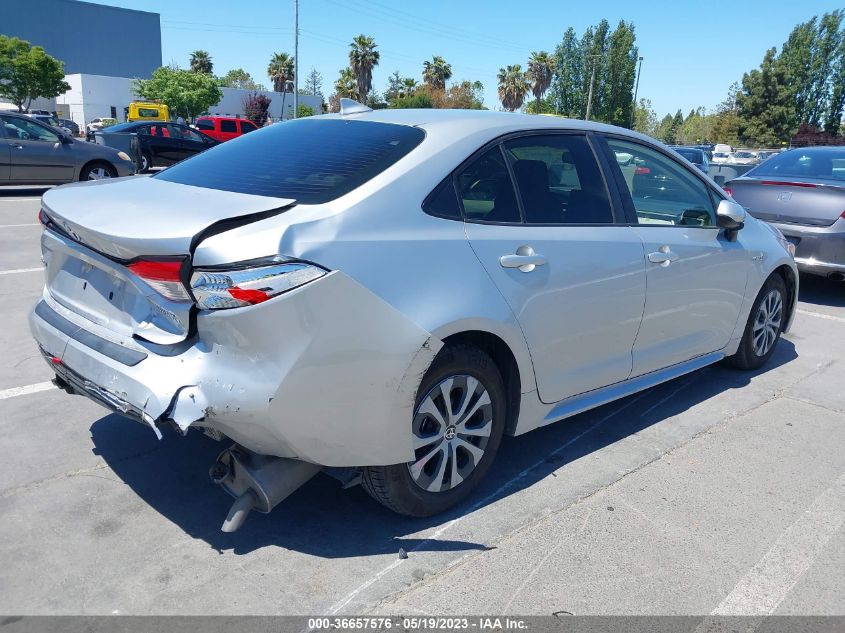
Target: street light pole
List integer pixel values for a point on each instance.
(636, 89)
(296, 58)
(590, 95)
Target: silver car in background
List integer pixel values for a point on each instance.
(802, 193)
(414, 286)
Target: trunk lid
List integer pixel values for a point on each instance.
(105, 224)
(805, 202)
(140, 217)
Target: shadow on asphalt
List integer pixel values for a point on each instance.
(321, 519)
(22, 192)
(817, 290)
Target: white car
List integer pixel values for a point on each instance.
(721, 157)
(98, 124)
(417, 285)
(744, 158)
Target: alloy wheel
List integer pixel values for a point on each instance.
(767, 323)
(98, 173)
(451, 428)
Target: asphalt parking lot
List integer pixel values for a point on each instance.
(720, 492)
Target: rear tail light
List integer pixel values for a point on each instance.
(43, 217)
(250, 283)
(729, 191)
(642, 171)
(165, 277)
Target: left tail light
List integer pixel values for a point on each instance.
(249, 283)
(163, 276)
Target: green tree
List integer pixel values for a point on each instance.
(437, 72)
(766, 111)
(616, 101)
(239, 78)
(303, 111)
(363, 57)
(645, 118)
(567, 95)
(280, 71)
(541, 67)
(416, 100)
(201, 62)
(314, 83)
(344, 87)
(399, 87)
(186, 93)
(513, 87)
(28, 72)
(726, 125)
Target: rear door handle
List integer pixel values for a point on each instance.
(17, 146)
(663, 256)
(525, 259)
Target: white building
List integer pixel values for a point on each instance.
(92, 96)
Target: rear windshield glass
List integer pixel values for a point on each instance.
(309, 160)
(825, 164)
(692, 155)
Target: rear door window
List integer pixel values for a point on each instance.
(333, 157)
(486, 191)
(227, 125)
(559, 180)
(205, 124)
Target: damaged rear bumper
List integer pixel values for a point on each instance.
(326, 373)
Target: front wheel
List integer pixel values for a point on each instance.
(764, 326)
(456, 429)
(98, 171)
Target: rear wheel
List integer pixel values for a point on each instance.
(456, 429)
(98, 171)
(764, 326)
(146, 161)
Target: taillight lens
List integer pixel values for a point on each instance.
(729, 191)
(43, 217)
(164, 276)
(250, 283)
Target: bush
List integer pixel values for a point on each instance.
(303, 111)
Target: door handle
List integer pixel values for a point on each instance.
(17, 146)
(663, 256)
(525, 259)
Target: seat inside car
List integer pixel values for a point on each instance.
(541, 206)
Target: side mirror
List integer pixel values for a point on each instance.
(66, 139)
(731, 217)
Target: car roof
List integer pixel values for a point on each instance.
(228, 118)
(467, 122)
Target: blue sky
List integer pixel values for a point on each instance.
(693, 50)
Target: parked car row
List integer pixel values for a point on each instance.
(35, 152)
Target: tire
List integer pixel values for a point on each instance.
(146, 162)
(97, 171)
(767, 319)
(470, 371)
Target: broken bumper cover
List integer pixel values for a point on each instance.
(326, 373)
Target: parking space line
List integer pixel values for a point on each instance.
(820, 315)
(18, 199)
(765, 586)
(26, 390)
(9, 226)
(20, 270)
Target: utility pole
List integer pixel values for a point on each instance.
(592, 81)
(636, 89)
(296, 58)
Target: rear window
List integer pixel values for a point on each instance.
(310, 160)
(824, 164)
(247, 126)
(693, 156)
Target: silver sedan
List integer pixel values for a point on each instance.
(802, 192)
(412, 287)
(34, 153)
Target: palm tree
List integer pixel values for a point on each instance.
(513, 86)
(541, 67)
(344, 87)
(437, 72)
(363, 57)
(280, 71)
(409, 85)
(201, 62)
